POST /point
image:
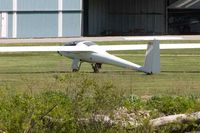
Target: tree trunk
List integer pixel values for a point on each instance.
(179, 118)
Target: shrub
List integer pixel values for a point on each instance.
(134, 102)
(22, 112)
(172, 104)
(61, 111)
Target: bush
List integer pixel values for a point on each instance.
(172, 104)
(22, 112)
(61, 111)
(134, 102)
(57, 111)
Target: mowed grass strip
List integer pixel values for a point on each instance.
(36, 72)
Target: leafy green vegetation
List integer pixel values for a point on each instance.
(56, 111)
(173, 105)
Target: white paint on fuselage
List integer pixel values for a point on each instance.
(100, 56)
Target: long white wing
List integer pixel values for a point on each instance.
(144, 47)
(89, 49)
(180, 46)
(123, 47)
(71, 48)
(43, 49)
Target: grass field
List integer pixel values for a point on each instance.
(180, 72)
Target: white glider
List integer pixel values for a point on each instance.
(87, 51)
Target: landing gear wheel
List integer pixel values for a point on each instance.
(96, 69)
(98, 65)
(75, 70)
(149, 73)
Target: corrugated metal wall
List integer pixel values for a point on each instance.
(40, 18)
(115, 17)
(0, 24)
(98, 16)
(40, 5)
(72, 24)
(6, 5)
(69, 5)
(39, 24)
(35, 5)
(72, 18)
(126, 17)
(10, 25)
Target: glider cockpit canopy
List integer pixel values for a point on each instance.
(74, 43)
(88, 43)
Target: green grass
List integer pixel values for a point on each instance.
(180, 71)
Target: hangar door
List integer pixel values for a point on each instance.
(184, 17)
(3, 25)
(124, 17)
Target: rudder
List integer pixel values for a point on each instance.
(152, 58)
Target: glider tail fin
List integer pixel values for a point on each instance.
(152, 58)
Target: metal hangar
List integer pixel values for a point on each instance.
(69, 18)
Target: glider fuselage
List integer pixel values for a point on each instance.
(99, 56)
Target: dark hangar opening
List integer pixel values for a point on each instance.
(184, 17)
(138, 17)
